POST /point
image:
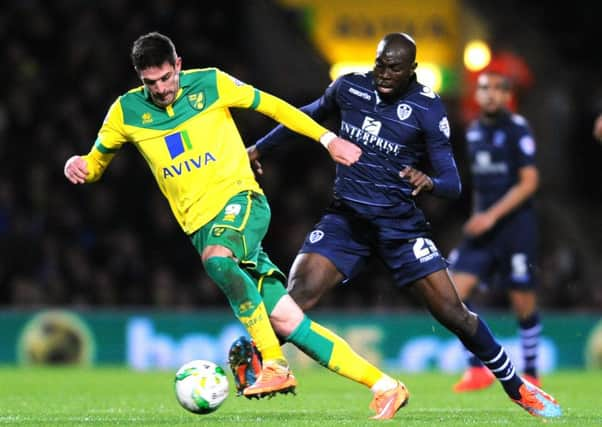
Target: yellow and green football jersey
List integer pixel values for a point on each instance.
(193, 147)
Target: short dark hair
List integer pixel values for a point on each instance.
(152, 50)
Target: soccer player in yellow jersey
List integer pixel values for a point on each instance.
(180, 122)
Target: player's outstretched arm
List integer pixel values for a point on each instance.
(341, 150)
(298, 121)
(76, 169)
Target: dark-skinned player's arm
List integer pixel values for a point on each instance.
(445, 180)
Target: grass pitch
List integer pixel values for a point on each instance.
(118, 396)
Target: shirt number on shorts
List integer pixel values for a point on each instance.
(520, 267)
(423, 247)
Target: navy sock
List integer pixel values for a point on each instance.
(492, 354)
(530, 331)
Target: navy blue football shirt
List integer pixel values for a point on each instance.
(497, 152)
(391, 136)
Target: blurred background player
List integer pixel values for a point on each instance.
(398, 123)
(180, 122)
(500, 240)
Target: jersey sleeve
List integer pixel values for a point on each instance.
(238, 94)
(446, 179)
(289, 116)
(111, 137)
(235, 93)
(319, 110)
(527, 147)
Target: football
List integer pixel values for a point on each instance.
(201, 386)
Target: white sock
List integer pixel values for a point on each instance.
(384, 384)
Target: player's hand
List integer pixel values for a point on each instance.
(418, 179)
(479, 223)
(343, 151)
(597, 131)
(76, 170)
(254, 155)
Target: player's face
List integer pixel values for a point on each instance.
(392, 71)
(162, 82)
(492, 93)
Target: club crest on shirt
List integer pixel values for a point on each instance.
(217, 231)
(403, 111)
(527, 145)
(316, 236)
(197, 100)
(147, 118)
(444, 127)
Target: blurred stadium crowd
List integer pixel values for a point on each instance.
(115, 243)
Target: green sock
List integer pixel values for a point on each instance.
(331, 351)
(246, 303)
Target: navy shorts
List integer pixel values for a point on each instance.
(506, 255)
(349, 242)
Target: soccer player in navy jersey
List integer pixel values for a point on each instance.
(501, 235)
(397, 122)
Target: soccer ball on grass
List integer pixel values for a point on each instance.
(201, 386)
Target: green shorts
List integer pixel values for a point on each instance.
(241, 226)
